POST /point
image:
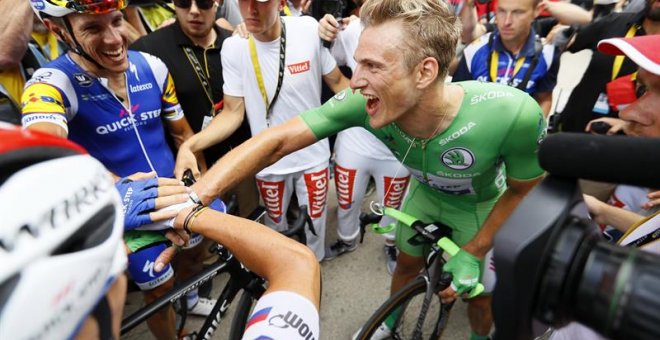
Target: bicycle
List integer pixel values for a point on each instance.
(420, 313)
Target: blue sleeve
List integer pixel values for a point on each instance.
(462, 72)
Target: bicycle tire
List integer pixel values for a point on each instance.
(410, 298)
(243, 310)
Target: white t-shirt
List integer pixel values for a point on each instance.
(356, 139)
(283, 315)
(305, 63)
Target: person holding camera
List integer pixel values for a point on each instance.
(471, 166)
(639, 118)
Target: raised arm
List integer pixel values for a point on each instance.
(335, 80)
(221, 127)
(285, 263)
(253, 155)
(15, 32)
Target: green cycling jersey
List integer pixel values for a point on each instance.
(494, 136)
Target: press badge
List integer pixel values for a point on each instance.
(207, 120)
(602, 105)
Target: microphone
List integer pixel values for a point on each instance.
(613, 159)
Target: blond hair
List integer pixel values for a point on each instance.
(430, 28)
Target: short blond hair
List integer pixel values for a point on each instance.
(430, 28)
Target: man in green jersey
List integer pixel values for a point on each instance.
(470, 146)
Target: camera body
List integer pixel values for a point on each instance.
(553, 267)
(320, 8)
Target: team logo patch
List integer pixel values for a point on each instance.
(457, 158)
(317, 192)
(272, 193)
(83, 79)
(38, 4)
(41, 77)
(344, 181)
(341, 95)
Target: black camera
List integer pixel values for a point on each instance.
(335, 8)
(553, 266)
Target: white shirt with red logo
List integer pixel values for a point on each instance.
(305, 63)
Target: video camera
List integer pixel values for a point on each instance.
(553, 266)
(320, 8)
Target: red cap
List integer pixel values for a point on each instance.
(643, 50)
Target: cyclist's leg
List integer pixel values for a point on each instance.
(352, 172)
(153, 285)
(410, 260)
(312, 190)
(466, 220)
(275, 192)
(116, 297)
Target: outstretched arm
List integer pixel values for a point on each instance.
(286, 264)
(253, 155)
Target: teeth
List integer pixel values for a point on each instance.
(114, 53)
(368, 96)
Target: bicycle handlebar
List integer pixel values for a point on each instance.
(427, 230)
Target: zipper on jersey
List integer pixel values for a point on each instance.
(423, 143)
(128, 109)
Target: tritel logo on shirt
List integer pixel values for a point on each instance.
(272, 193)
(299, 67)
(345, 178)
(317, 192)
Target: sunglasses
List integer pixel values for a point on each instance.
(201, 4)
(95, 6)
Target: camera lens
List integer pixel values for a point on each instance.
(619, 293)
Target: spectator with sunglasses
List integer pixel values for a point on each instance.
(272, 76)
(116, 104)
(194, 39)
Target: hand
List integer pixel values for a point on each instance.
(595, 207)
(241, 30)
(142, 193)
(185, 159)
(617, 125)
(179, 239)
(654, 200)
(328, 28)
(465, 269)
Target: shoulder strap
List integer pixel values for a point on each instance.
(538, 49)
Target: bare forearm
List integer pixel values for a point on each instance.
(483, 240)
(14, 32)
(286, 264)
(568, 13)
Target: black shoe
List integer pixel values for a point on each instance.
(338, 248)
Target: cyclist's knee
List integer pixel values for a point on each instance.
(156, 292)
(408, 265)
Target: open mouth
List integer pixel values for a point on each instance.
(373, 104)
(114, 55)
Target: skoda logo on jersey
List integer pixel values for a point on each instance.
(340, 95)
(38, 4)
(83, 79)
(457, 158)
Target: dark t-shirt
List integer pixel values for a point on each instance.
(579, 109)
(167, 44)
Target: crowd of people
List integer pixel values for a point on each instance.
(445, 114)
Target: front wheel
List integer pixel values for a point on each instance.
(408, 302)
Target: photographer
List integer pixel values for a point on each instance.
(607, 290)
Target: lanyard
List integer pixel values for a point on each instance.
(493, 66)
(286, 10)
(201, 75)
(257, 70)
(618, 60)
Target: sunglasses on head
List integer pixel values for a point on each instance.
(201, 4)
(96, 6)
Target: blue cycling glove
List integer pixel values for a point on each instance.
(138, 199)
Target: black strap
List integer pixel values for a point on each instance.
(280, 74)
(103, 317)
(203, 79)
(538, 48)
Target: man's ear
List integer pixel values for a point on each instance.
(428, 71)
(56, 29)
